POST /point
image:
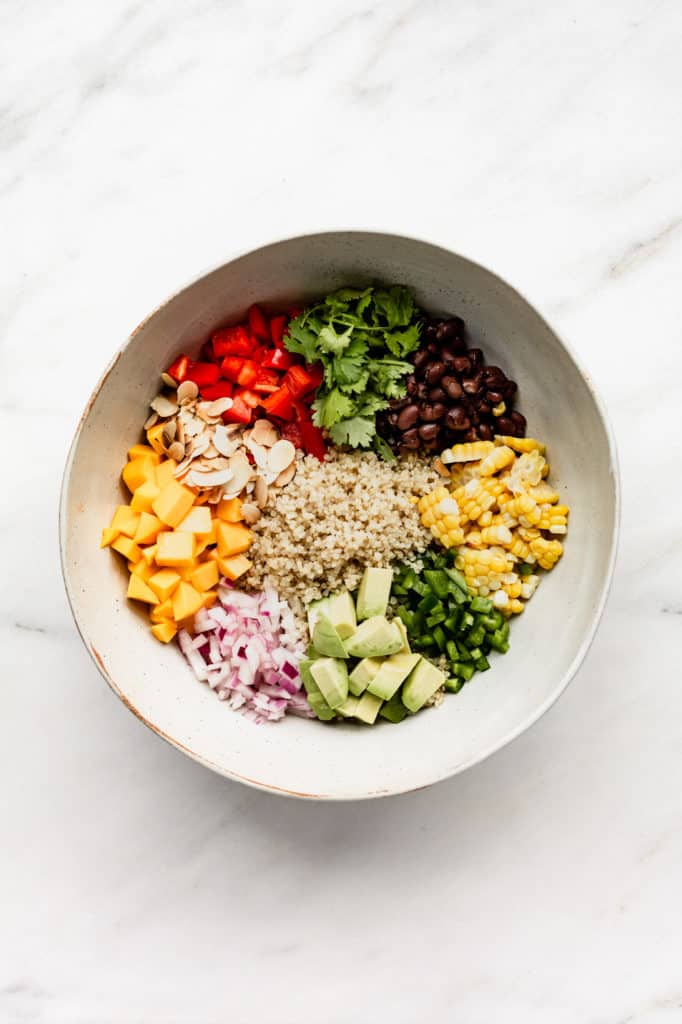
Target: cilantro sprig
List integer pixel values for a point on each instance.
(361, 337)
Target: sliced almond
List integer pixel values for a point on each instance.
(218, 477)
(264, 433)
(164, 406)
(280, 456)
(167, 379)
(176, 451)
(241, 471)
(223, 442)
(261, 492)
(169, 431)
(250, 513)
(287, 475)
(211, 452)
(260, 454)
(218, 407)
(215, 495)
(201, 443)
(441, 468)
(179, 431)
(151, 420)
(193, 427)
(187, 392)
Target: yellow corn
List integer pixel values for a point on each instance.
(486, 519)
(547, 552)
(529, 586)
(471, 452)
(526, 472)
(554, 519)
(520, 444)
(520, 549)
(512, 589)
(516, 606)
(523, 505)
(496, 535)
(544, 494)
(498, 459)
(432, 498)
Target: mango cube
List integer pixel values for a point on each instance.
(230, 509)
(163, 583)
(108, 536)
(186, 601)
(139, 591)
(142, 569)
(138, 451)
(127, 547)
(234, 567)
(205, 576)
(209, 598)
(155, 437)
(162, 611)
(175, 549)
(125, 521)
(148, 529)
(144, 496)
(233, 538)
(165, 472)
(197, 520)
(138, 471)
(164, 631)
(173, 503)
(149, 554)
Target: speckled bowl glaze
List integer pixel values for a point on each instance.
(548, 642)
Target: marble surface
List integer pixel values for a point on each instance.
(144, 142)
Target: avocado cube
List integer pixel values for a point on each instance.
(422, 683)
(348, 708)
(331, 676)
(306, 677)
(402, 629)
(394, 710)
(374, 592)
(393, 672)
(362, 675)
(341, 614)
(326, 640)
(368, 708)
(315, 609)
(320, 707)
(374, 638)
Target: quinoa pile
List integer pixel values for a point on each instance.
(336, 518)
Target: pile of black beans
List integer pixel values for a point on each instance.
(452, 396)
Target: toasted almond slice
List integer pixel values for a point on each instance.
(280, 456)
(193, 427)
(176, 451)
(169, 431)
(222, 440)
(201, 443)
(218, 407)
(214, 478)
(187, 392)
(259, 453)
(167, 379)
(241, 470)
(261, 492)
(250, 513)
(164, 406)
(440, 468)
(287, 475)
(179, 430)
(265, 433)
(151, 420)
(215, 495)
(211, 452)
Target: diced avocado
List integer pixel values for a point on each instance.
(348, 708)
(331, 675)
(326, 640)
(374, 638)
(341, 614)
(362, 675)
(307, 678)
(422, 683)
(368, 708)
(312, 653)
(320, 707)
(315, 609)
(402, 629)
(394, 710)
(374, 592)
(393, 672)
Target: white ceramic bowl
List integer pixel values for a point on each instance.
(307, 758)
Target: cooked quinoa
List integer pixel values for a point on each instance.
(335, 518)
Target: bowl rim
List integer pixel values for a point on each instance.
(512, 734)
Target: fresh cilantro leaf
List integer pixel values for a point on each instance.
(371, 403)
(303, 341)
(401, 343)
(331, 408)
(356, 432)
(330, 341)
(396, 305)
(383, 449)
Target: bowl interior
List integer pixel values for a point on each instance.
(547, 641)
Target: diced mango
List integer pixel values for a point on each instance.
(205, 576)
(165, 471)
(234, 567)
(142, 569)
(186, 601)
(209, 598)
(108, 536)
(212, 555)
(138, 471)
(173, 503)
(139, 591)
(164, 582)
(125, 521)
(197, 520)
(144, 496)
(230, 509)
(175, 549)
(164, 631)
(138, 451)
(149, 554)
(149, 528)
(127, 547)
(233, 538)
(155, 437)
(162, 611)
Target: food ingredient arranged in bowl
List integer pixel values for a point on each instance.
(335, 510)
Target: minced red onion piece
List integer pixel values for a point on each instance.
(247, 648)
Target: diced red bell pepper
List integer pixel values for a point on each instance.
(207, 353)
(231, 367)
(211, 392)
(250, 398)
(267, 381)
(233, 341)
(239, 413)
(313, 441)
(258, 324)
(300, 381)
(178, 369)
(292, 432)
(278, 359)
(203, 373)
(248, 373)
(302, 411)
(261, 353)
(279, 403)
(277, 328)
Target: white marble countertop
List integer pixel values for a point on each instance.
(142, 143)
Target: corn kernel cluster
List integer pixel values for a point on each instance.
(498, 511)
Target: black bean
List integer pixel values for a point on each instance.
(509, 387)
(485, 432)
(449, 329)
(437, 394)
(494, 397)
(432, 445)
(412, 385)
(519, 421)
(475, 358)
(493, 376)
(431, 411)
(421, 357)
(408, 417)
(434, 348)
(471, 435)
(484, 409)
(434, 372)
(422, 392)
(452, 386)
(396, 404)
(505, 425)
(456, 418)
(393, 419)
(429, 431)
(461, 364)
(429, 332)
(410, 439)
(471, 385)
